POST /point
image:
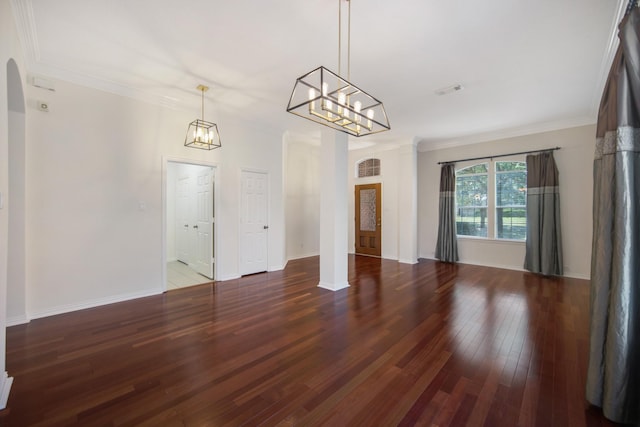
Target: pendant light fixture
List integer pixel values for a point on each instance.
(331, 100)
(202, 134)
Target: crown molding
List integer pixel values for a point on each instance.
(26, 26)
(108, 86)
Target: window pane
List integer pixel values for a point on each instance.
(511, 200)
(471, 191)
(479, 168)
(510, 166)
(471, 222)
(511, 223)
(471, 201)
(368, 210)
(511, 189)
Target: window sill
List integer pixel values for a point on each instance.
(492, 240)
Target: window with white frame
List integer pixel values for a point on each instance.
(491, 200)
(471, 200)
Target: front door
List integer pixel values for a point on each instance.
(253, 222)
(368, 219)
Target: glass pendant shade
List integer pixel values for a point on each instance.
(201, 133)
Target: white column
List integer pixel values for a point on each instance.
(5, 388)
(408, 203)
(334, 156)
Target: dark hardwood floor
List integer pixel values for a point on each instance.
(425, 344)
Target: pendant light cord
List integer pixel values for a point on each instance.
(349, 44)
(340, 40)
(339, 37)
(202, 90)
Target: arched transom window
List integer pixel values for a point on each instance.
(369, 167)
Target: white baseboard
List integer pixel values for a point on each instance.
(333, 286)
(309, 255)
(93, 303)
(5, 388)
(501, 266)
(408, 261)
(278, 267)
(479, 264)
(577, 275)
(17, 320)
(229, 277)
(514, 268)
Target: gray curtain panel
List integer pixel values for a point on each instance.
(544, 237)
(447, 246)
(613, 376)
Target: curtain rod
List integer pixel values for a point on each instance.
(500, 155)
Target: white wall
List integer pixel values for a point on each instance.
(94, 195)
(408, 204)
(575, 163)
(302, 184)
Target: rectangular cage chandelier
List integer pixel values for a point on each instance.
(201, 133)
(327, 98)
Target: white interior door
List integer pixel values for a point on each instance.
(203, 262)
(183, 218)
(253, 222)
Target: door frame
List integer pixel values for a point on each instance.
(378, 186)
(265, 172)
(216, 203)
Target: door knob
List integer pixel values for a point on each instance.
(186, 225)
(195, 226)
(265, 227)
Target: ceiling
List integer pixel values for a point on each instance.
(526, 66)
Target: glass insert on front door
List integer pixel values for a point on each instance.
(368, 210)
